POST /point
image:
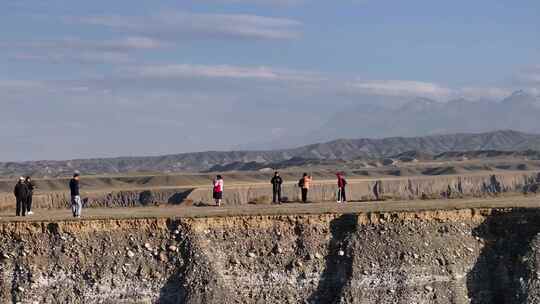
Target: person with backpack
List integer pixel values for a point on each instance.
(341, 183)
(31, 186)
(21, 196)
(276, 182)
(76, 203)
(218, 190)
(304, 183)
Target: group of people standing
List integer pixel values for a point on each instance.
(277, 181)
(24, 191)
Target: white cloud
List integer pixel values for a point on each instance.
(79, 58)
(532, 75)
(119, 45)
(220, 71)
(401, 88)
(201, 26)
(184, 77)
(173, 100)
(19, 84)
(81, 51)
(411, 88)
(483, 92)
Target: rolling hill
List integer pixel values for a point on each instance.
(341, 149)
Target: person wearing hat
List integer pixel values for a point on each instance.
(76, 203)
(21, 196)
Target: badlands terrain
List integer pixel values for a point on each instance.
(447, 227)
(157, 239)
(451, 251)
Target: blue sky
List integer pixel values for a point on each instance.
(108, 78)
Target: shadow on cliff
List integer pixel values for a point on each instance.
(500, 272)
(195, 280)
(179, 197)
(173, 292)
(338, 269)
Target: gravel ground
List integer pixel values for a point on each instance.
(284, 209)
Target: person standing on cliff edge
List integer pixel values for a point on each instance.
(76, 203)
(21, 196)
(304, 183)
(31, 186)
(276, 188)
(218, 190)
(341, 183)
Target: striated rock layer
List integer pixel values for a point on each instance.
(460, 256)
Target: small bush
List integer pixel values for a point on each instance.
(188, 202)
(261, 200)
(146, 198)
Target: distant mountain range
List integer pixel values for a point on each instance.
(342, 149)
(422, 116)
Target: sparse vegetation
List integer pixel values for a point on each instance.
(261, 200)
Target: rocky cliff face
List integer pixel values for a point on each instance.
(463, 256)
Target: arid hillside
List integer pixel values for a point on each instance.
(338, 150)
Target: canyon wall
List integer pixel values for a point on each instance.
(459, 256)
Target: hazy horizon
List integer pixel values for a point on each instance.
(139, 78)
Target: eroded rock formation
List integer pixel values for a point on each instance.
(462, 256)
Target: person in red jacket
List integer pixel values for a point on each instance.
(218, 190)
(341, 183)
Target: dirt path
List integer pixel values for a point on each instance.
(297, 209)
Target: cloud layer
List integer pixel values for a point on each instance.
(187, 25)
(118, 45)
(412, 88)
(531, 75)
(221, 71)
(81, 51)
(402, 88)
(78, 83)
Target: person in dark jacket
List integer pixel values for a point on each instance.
(76, 203)
(21, 196)
(276, 188)
(31, 186)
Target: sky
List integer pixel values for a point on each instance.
(83, 79)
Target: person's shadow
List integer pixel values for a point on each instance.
(503, 269)
(338, 269)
